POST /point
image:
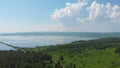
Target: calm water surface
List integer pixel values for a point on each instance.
(38, 40)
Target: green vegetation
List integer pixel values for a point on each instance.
(30, 59)
(100, 53)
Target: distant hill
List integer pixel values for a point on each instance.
(89, 34)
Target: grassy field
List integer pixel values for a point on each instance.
(101, 53)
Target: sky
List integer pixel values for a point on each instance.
(59, 15)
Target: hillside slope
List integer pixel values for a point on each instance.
(101, 53)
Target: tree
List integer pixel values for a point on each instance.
(61, 58)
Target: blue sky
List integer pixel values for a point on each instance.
(40, 15)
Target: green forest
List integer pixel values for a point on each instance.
(99, 53)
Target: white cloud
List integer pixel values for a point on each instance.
(86, 17)
(105, 10)
(102, 13)
(70, 10)
(115, 11)
(96, 12)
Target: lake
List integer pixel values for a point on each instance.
(33, 39)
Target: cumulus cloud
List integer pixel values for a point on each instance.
(101, 12)
(96, 12)
(70, 10)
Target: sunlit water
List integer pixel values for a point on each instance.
(38, 40)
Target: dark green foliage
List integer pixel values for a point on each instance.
(58, 65)
(74, 66)
(17, 59)
(117, 50)
(61, 58)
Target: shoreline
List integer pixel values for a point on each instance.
(104, 38)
